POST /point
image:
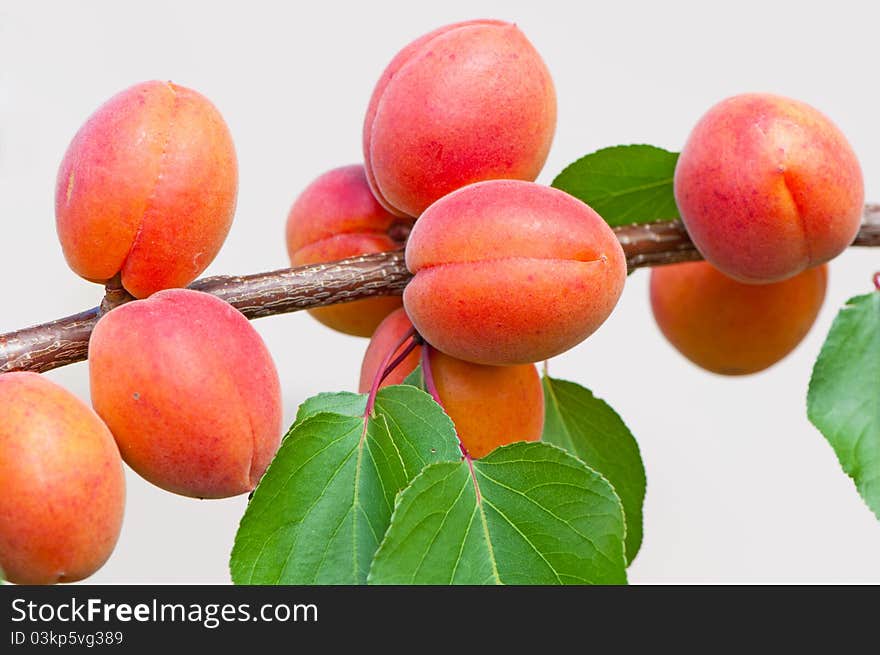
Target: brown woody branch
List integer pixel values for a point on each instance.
(65, 341)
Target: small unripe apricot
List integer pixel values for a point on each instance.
(467, 102)
(147, 189)
(62, 488)
(490, 406)
(337, 217)
(189, 391)
(510, 272)
(729, 327)
(767, 187)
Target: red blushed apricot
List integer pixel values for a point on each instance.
(62, 488)
(729, 327)
(491, 406)
(465, 103)
(767, 187)
(510, 272)
(189, 391)
(147, 189)
(337, 217)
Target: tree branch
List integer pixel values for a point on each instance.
(65, 341)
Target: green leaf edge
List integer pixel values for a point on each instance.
(580, 160)
(301, 419)
(629, 560)
(400, 494)
(851, 302)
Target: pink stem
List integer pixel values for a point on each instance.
(428, 373)
(413, 344)
(383, 371)
(877, 280)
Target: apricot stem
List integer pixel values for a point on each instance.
(414, 343)
(387, 366)
(66, 340)
(431, 387)
(428, 374)
(114, 295)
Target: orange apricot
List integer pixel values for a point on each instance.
(62, 487)
(465, 103)
(189, 391)
(732, 328)
(511, 272)
(337, 217)
(147, 189)
(767, 187)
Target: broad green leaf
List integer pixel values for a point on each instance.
(624, 184)
(322, 508)
(528, 513)
(844, 396)
(587, 427)
(415, 378)
(343, 402)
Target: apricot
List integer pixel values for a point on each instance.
(490, 405)
(337, 217)
(511, 272)
(767, 187)
(729, 327)
(62, 487)
(467, 102)
(189, 391)
(147, 189)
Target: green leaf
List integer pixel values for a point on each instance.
(624, 184)
(322, 508)
(343, 402)
(843, 400)
(587, 427)
(415, 379)
(528, 513)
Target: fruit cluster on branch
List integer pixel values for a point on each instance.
(496, 273)
(65, 341)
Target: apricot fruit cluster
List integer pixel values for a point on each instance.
(183, 388)
(506, 272)
(769, 190)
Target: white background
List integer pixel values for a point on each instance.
(741, 488)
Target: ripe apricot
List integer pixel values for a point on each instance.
(490, 405)
(511, 272)
(62, 487)
(467, 102)
(147, 189)
(189, 391)
(729, 327)
(768, 186)
(337, 217)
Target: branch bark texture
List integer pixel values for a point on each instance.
(65, 341)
